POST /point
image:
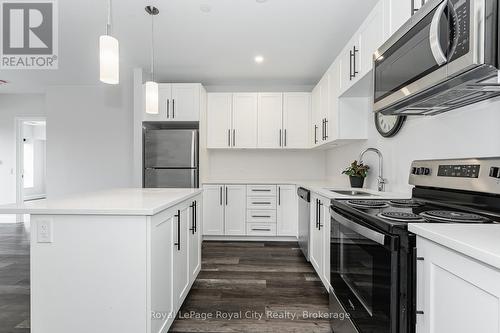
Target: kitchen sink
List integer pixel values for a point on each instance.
(354, 193)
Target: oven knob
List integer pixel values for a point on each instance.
(495, 172)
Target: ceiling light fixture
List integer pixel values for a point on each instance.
(259, 59)
(109, 55)
(151, 85)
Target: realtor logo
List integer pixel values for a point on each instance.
(29, 38)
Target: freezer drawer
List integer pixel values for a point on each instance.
(171, 178)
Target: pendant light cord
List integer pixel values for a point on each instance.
(152, 49)
(108, 22)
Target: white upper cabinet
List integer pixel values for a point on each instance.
(244, 133)
(296, 117)
(270, 120)
(350, 63)
(316, 117)
(397, 12)
(177, 102)
(371, 36)
(219, 120)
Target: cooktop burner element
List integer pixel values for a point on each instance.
(452, 216)
(405, 203)
(401, 216)
(368, 203)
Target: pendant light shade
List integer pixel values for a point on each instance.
(151, 97)
(109, 59)
(109, 55)
(151, 87)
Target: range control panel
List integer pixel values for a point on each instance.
(461, 171)
(471, 174)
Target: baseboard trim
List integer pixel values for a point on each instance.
(250, 238)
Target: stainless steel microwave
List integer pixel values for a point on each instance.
(443, 58)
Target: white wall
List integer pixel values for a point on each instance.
(11, 106)
(468, 132)
(89, 135)
(266, 165)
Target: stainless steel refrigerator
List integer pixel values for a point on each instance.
(170, 155)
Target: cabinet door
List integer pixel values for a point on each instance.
(316, 116)
(195, 238)
(161, 271)
(324, 87)
(270, 109)
(332, 126)
(287, 211)
(296, 117)
(325, 235)
(235, 200)
(455, 292)
(181, 255)
(371, 37)
(397, 13)
(350, 72)
(219, 112)
(185, 103)
(315, 248)
(244, 133)
(213, 210)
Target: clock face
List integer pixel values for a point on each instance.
(388, 125)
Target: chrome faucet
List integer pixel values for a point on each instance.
(380, 179)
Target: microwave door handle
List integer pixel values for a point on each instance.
(436, 49)
(373, 235)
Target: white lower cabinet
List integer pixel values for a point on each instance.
(224, 210)
(175, 261)
(213, 210)
(455, 293)
(287, 211)
(235, 210)
(319, 248)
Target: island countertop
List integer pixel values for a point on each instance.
(123, 201)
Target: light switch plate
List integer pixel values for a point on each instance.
(45, 231)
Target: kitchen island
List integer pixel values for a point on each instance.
(121, 260)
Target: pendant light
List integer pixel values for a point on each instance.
(151, 85)
(109, 55)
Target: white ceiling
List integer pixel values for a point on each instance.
(298, 38)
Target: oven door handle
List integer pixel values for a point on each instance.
(371, 234)
(436, 49)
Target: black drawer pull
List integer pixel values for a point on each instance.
(260, 229)
(262, 216)
(261, 203)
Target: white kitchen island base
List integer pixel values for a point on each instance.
(114, 269)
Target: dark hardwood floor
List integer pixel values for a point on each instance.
(254, 287)
(14, 279)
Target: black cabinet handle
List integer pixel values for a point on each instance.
(323, 129)
(261, 203)
(220, 188)
(319, 213)
(285, 137)
(355, 71)
(168, 108)
(315, 134)
(193, 218)
(234, 137)
(178, 244)
(350, 65)
(173, 108)
(279, 196)
(196, 216)
(280, 138)
(260, 190)
(226, 195)
(261, 229)
(229, 138)
(262, 216)
(326, 129)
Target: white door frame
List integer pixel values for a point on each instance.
(19, 121)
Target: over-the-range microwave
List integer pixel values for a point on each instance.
(445, 57)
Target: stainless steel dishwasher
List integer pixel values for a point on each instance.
(304, 217)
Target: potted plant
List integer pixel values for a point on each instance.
(357, 174)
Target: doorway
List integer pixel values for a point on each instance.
(30, 160)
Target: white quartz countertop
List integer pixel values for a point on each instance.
(126, 201)
(479, 241)
(320, 187)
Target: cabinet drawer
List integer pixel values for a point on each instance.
(261, 229)
(261, 190)
(261, 202)
(263, 216)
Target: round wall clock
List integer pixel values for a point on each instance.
(388, 125)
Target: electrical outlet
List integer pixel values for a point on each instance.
(44, 231)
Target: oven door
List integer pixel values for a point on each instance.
(364, 273)
(416, 57)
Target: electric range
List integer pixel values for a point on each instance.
(373, 255)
